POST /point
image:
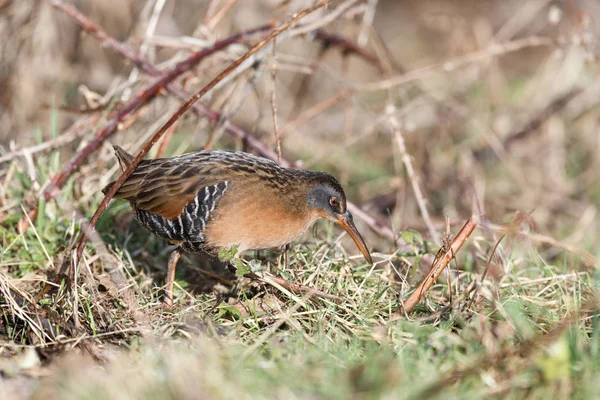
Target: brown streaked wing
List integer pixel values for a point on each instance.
(164, 186)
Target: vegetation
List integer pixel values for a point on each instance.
(496, 118)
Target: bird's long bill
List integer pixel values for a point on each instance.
(347, 223)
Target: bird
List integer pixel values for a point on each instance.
(214, 200)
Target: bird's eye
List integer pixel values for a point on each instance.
(333, 202)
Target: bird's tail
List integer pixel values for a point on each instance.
(124, 157)
(124, 160)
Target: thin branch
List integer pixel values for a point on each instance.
(274, 106)
(346, 46)
(210, 10)
(367, 22)
(536, 122)
(414, 180)
(441, 261)
(332, 16)
(76, 131)
(487, 268)
(315, 110)
(295, 287)
(458, 62)
(145, 47)
(213, 20)
(83, 109)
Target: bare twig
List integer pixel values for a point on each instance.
(367, 22)
(315, 110)
(441, 261)
(487, 267)
(84, 109)
(212, 20)
(274, 106)
(347, 47)
(70, 135)
(145, 47)
(312, 26)
(295, 287)
(414, 180)
(536, 122)
(455, 63)
(210, 10)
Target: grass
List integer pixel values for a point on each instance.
(238, 338)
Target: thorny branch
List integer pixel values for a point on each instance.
(441, 261)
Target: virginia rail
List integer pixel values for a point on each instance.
(213, 200)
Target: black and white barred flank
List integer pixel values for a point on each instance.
(188, 228)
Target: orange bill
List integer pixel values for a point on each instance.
(347, 223)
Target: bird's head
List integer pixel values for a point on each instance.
(327, 198)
